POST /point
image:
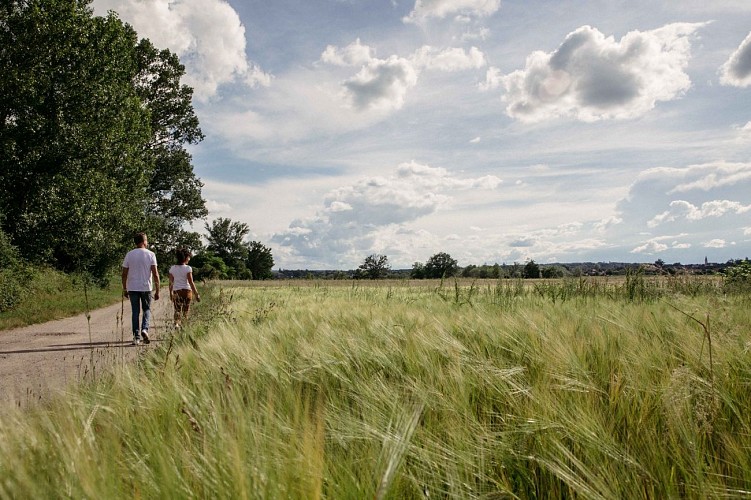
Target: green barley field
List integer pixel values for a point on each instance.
(581, 388)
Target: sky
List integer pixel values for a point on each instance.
(497, 131)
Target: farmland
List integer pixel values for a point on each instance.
(624, 388)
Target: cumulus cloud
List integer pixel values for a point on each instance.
(354, 54)
(592, 77)
(353, 214)
(650, 247)
(425, 9)
(699, 203)
(382, 84)
(716, 243)
(681, 209)
(737, 69)
(207, 35)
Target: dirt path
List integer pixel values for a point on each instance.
(41, 360)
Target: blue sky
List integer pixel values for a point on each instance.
(494, 130)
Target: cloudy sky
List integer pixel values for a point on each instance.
(494, 130)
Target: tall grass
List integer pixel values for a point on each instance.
(399, 391)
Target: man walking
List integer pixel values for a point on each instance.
(139, 267)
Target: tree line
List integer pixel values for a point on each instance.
(94, 129)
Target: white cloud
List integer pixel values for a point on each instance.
(382, 84)
(650, 247)
(353, 215)
(207, 35)
(737, 69)
(216, 207)
(452, 59)
(354, 54)
(493, 79)
(706, 178)
(716, 243)
(425, 9)
(680, 209)
(592, 77)
(747, 231)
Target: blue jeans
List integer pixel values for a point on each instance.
(138, 301)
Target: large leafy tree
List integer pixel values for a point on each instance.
(174, 190)
(259, 260)
(226, 240)
(92, 128)
(440, 265)
(244, 259)
(374, 267)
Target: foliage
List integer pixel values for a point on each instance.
(531, 270)
(259, 260)
(418, 271)
(244, 260)
(92, 124)
(207, 266)
(374, 267)
(385, 391)
(226, 240)
(441, 265)
(738, 276)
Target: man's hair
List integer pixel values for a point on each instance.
(182, 255)
(139, 238)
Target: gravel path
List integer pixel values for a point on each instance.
(39, 361)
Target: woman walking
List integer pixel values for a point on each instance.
(181, 286)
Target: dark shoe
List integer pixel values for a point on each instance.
(145, 336)
(136, 341)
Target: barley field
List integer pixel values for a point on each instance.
(580, 388)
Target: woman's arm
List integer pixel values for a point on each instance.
(171, 284)
(193, 287)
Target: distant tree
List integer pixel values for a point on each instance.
(469, 271)
(440, 265)
(259, 260)
(418, 271)
(207, 266)
(496, 272)
(553, 272)
(374, 267)
(225, 240)
(531, 270)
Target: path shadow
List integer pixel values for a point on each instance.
(80, 346)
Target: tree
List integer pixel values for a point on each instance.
(207, 266)
(92, 124)
(259, 260)
(244, 260)
(418, 271)
(440, 265)
(374, 267)
(71, 131)
(225, 239)
(174, 190)
(531, 270)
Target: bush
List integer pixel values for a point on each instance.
(738, 277)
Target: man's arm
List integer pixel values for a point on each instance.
(125, 281)
(155, 276)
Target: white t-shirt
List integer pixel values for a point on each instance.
(179, 274)
(138, 262)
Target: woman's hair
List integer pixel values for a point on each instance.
(182, 255)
